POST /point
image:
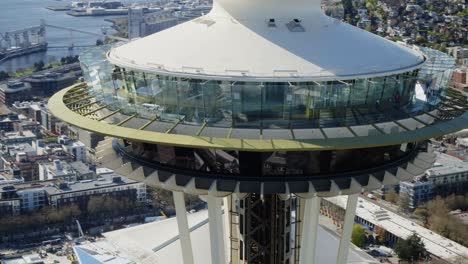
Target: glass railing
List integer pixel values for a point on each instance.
(262, 104)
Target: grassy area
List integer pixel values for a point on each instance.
(40, 66)
(25, 72)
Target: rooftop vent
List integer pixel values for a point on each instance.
(295, 25)
(116, 179)
(63, 186)
(271, 22)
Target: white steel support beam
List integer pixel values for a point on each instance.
(184, 232)
(216, 230)
(309, 230)
(342, 257)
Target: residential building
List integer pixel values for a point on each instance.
(56, 170)
(419, 192)
(9, 138)
(141, 25)
(28, 197)
(13, 91)
(80, 192)
(460, 80)
(82, 171)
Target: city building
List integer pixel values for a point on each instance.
(77, 149)
(373, 217)
(82, 171)
(79, 192)
(48, 120)
(9, 207)
(141, 25)
(8, 122)
(27, 197)
(254, 102)
(16, 137)
(419, 192)
(13, 91)
(48, 83)
(56, 170)
(448, 175)
(460, 80)
(89, 138)
(460, 54)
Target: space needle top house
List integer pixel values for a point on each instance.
(264, 106)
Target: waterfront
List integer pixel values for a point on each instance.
(26, 13)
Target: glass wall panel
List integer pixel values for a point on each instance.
(300, 101)
(376, 88)
(190, 97)
(217, 101)
(165, 91)
(358, 92)
(247, 104)
(274, 100)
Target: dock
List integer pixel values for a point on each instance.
(59, 8)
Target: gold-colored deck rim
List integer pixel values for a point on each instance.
(63, 111)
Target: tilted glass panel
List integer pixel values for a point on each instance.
(247, 104)
(358, 92)
(125, 91)
(146, 108)
(217, 101)
(190, 97)
(165, 90)
(107, 84)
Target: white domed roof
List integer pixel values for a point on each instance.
(237, 40)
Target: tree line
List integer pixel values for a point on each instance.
(97, 207)
(436, 216)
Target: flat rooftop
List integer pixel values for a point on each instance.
(103, 182)
(158, 243)
(402, 227)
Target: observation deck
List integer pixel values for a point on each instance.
(355, 130)
(353, 133)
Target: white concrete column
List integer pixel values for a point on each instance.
(182, 223)
(342, 257)
(227, 227)
(309, 230)
(216, 230)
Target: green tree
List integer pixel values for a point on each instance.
(423, 214)
(4, 75)
(411, 249)
(359, 236)
(404, 202)
(392, 197)
(381, 235)
(39, 66)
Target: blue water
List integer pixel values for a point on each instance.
(18, 14)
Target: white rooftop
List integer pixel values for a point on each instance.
(157, 243)
(446, 164)
(401, 227)
(235, 41)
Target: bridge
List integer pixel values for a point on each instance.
(32, 37)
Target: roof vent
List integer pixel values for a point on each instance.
(295, 25)
(271, 22)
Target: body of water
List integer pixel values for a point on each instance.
(19, 14)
